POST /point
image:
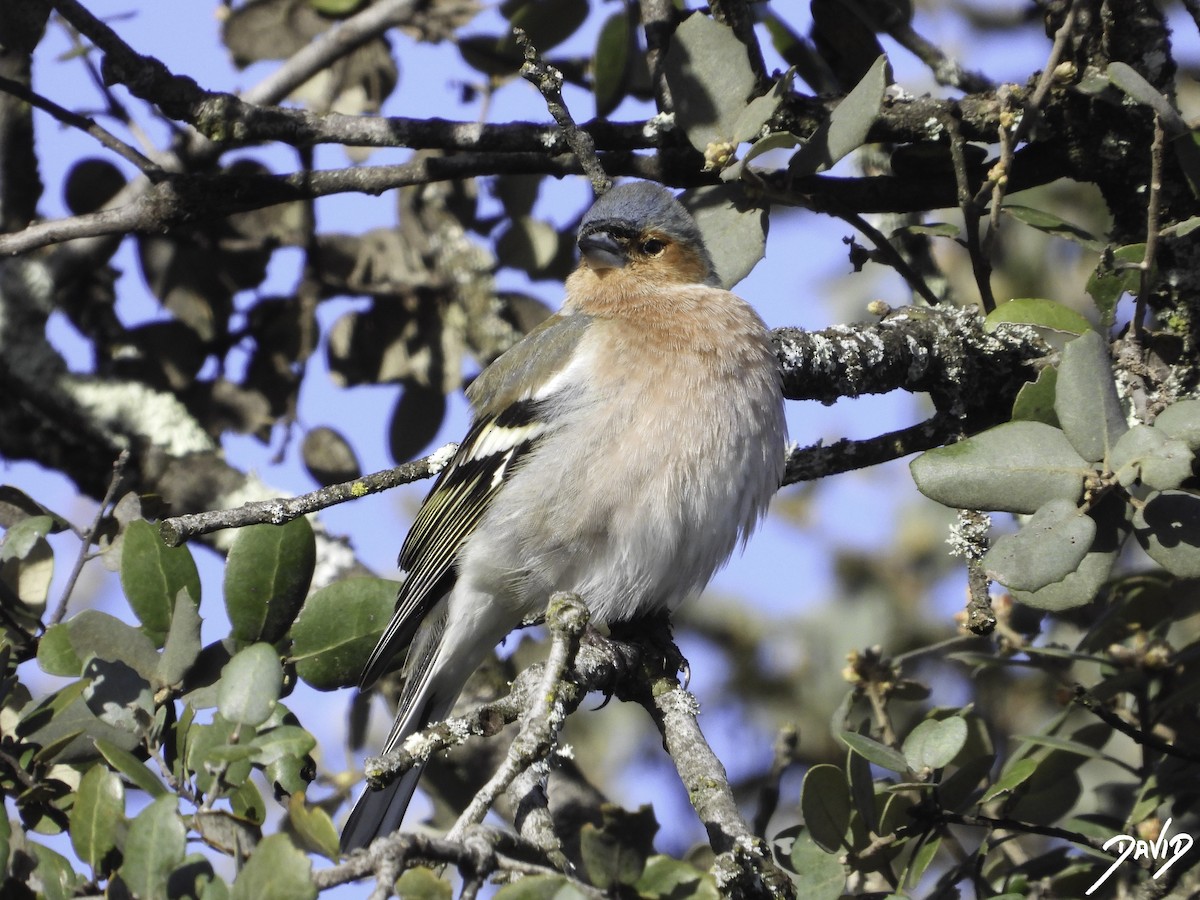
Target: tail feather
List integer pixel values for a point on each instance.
(434, 675)
(378, 813)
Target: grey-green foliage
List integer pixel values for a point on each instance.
(1087, 483)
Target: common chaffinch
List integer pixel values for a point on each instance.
(619, 451)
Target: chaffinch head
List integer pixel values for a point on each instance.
(620, 451)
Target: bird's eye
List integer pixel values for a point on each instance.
(654, 247)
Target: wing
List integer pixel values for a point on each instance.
(508, 426)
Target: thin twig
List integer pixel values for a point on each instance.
(86, 539)
(1152, 227)
(130, 154)
(178, 529)
(566, 618)
(953, 818)
(1145, 738)
(980, 265)
(885, 252)
(819, 460)
(1000, 172)
(548, 80)
(659, 19)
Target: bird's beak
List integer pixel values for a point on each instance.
(601, 250)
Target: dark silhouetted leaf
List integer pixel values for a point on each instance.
(90, 184)
(416, 420)
(615, 47)
(328, 457)
(1168, 528)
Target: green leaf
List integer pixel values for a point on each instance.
(1048, 548)
(284, 740)
(819, 875)
(776, 140)
(98, 634)
(615, 46)
(56, 655)
(155, 845)
(132, 768)
(1014, 467)
(934, 743)
(734, 229)
(153, 574)
(667, 878)
(1168, 528)
(250, 685)
(277, 870)
(335, 7)
(1035, 400)
(1086, 400)
(98, 816)
(27, 561)
(825, 804)
(209, 748)
(529, 244)
(338, 628)
(1041, 313)
(1077, 589)
(711, 80)
(1149, 456)
(1181, 421)
(541, 887)
(873, 751)
(758, 112)
(848, 125)
(267, 577)
(315, 832)
(20, 539)
(119, 696)
(1109, 282)
(1014, 776)
(921, 859)
(58, 880)
(182, 647)
(1051, 224)
(416, 884)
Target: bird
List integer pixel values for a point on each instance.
(621, 450)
